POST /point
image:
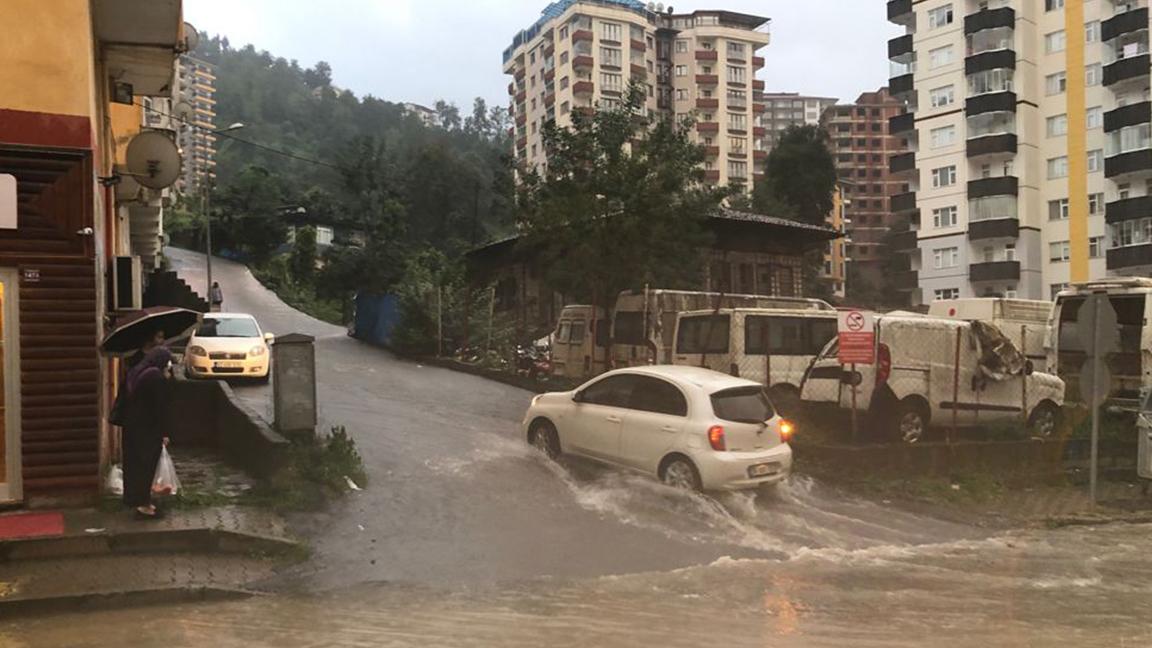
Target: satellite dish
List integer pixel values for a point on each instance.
(191, 37)
(153, 160)
(182, 110)
(127, 188)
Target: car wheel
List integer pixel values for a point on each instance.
(911, 422)
(679, 472)
(543, 437)
(1044, 422)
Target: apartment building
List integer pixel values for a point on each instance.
(861, 144)
(784, 109)
(196, 105)
(1032, 161)
(583, 54)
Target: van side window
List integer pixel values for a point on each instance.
(820, 331)
(563, 331)
(785, 335)
(655, 395)
(703, 334)
(577, 336)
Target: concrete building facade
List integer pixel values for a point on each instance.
(1032, 162)
(195, 102)
(583, 54)
(784, 109)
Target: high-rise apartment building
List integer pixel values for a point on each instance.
(861, 145)
(583, 54)
(784, 109)
(1032, 161)
(196, 103)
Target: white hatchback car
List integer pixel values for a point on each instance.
(228, 345)
(690, 427)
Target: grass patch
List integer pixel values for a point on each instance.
(314, 474)
(273, 276)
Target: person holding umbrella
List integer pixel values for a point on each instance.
(145, 433)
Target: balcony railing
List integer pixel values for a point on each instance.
(905, 241)
(1139, 161)
(990, 19)
(1001, 186)
(906, 280)
(994, 271)
(1130, 115)
(994, 228)
(707, 55)
(902, 163)
(1004, 59)
(900, 48)
(707, 103)
(583, 87)
(900, 12)
(708, 127)
(900, 85)
(1128, 209)
(991, 102)
(992, 145)
(903, 202)
(1124, 23)
(1125, 69)
(1130, 256)
(901, 124)
(707, 79)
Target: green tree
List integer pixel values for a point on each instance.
(303, 264)
(621, 203)
(801, 174)
(246, 214)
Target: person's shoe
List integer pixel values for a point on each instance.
(156, 514)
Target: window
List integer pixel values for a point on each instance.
(941, 97)
(947, 293)
(1058, 167)
(939, 57)
(654, 395)
(736, 74)
(681, 70)
(742, 405)
(681, 94)
(1009, 251)
(1095, 204)
(1057, 125)
(998, 80)
(611, 82)
(737, 121)
(788, 335)
(703, 334)
(1053, 5)
(681, 46)
(940, 17)
(1059, 251)
(1055, 290)
(992, 208)
(563, 58)
(610, 31)
(735, 49)
(1095, 161)
(610, 56)
(1094, 117)
(1096, 247)
(1058, 209)
(944, 136)
(613, 391)
(1131, 232)
(737, 144)
(944, 217)
(564, 33)
(1054, 42)
(737, 170)
(948, 257)
(1055, 84)
(1092, 75)
(563, 83)
(1129, 138)
(1092, 31)
(944, 176)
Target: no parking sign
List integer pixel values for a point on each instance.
(857, 337)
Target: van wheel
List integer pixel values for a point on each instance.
(1044, 421)
(911, 421)
(542, 435)
(678, 472)
(786, 398)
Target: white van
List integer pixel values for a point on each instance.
(572, 343)
(644, 321)
(773, 346)
(1131, 366)
(1023, 321)
(915, 383)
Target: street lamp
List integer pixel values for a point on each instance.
(204, 200)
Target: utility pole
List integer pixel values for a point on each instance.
(206, 204)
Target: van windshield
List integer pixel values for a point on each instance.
(742, 405)
(703, 334)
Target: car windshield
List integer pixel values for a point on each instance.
(239, 327)
(742, 405)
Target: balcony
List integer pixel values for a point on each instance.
(582, 35)
(904, 202)
(522, 143)
(900, 12)
(994, 271)
(712, 151)
(707, 55)
(900, 85)
(905, 241)
(759, 131)
(519, 76)
(1130, 115)
(511, 88)
(550, 99)
(707, 103)
(639, 71)
(902, 163)
(1130, 256)
(996, 60)
(1133, 67)
(712, 175)
(902, 125)
(707, 79)
(521, 119)
(759, 155)
(990, 19)
(906, 280)
(638, 45)
(992, 145)
(583, 88)
(993, 228)
(1124, 23)
(900, 48)
(758, 84)
(1127, 163)
(1001, 186)
(521, 96)
(1128, 209)
(582, 61)
(550, 75)
(708, 127)
(991, 102)
(758, 108)
(757, 62)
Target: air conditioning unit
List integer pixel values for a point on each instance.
(127, 283)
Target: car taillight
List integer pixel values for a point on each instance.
(787, 429)
(716, 438)
(883, 364)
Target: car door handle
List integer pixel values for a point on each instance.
(668, 428)
(612, 419)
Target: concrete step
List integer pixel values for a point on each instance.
(104, 543)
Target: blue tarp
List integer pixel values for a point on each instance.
(376, 317)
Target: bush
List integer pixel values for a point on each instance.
(315, 473)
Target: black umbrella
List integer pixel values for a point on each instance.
(135, 329)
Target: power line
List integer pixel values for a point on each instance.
(262, 147)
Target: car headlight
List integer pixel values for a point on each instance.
(197, 351)
(258, 350)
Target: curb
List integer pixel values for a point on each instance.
(1096, 519)
(146, 542)
(93, 601)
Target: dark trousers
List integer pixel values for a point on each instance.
(141, 454)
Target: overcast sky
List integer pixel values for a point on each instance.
(424, 50)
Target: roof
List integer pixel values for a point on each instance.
(706, 379)
(734, 215)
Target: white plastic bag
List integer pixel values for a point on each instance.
(115, 483)
(166, 482)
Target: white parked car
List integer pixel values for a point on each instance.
(228, 345)
(688, 426)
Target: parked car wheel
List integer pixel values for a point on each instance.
(679, 472)
(911, 421)
(543, 437)
(1045, 421)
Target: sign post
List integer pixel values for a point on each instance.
(1099, 335)
(856, 339)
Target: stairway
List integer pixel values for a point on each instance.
(166, 288)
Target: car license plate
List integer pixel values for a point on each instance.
(763, 470)
(229, 365)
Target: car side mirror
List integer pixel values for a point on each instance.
(578, 397)
(268, 337)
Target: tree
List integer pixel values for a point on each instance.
(801, 173)
(248, 214)
(620, 204)
(303, 265)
